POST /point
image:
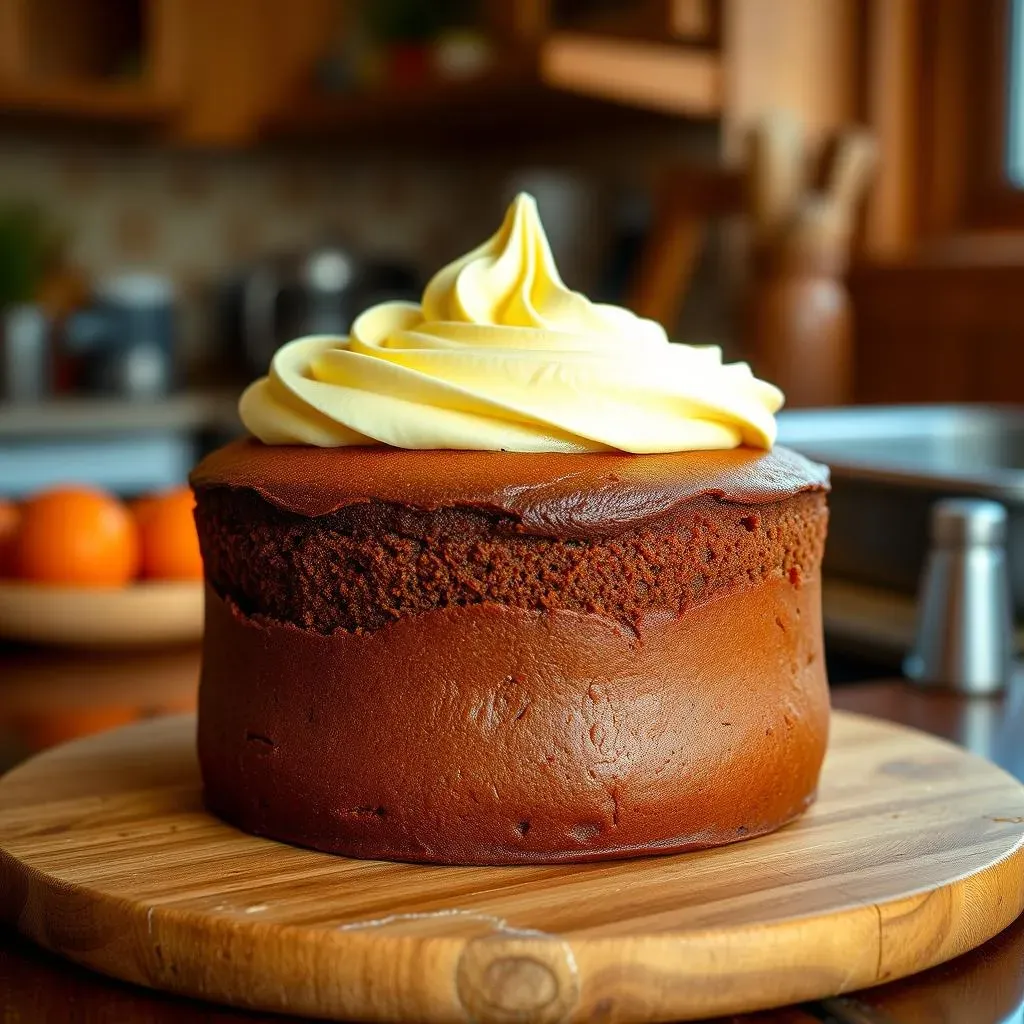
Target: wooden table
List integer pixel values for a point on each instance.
(983, 987)
(48, 696)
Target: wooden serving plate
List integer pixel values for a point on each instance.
(912, 855)
(153, 612)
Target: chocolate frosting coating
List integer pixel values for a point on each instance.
(553, 494)
(475, 727)
(495, 735)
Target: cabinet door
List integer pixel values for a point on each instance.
(244, 59)
(101, 59)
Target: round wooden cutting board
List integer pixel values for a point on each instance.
(912, 855)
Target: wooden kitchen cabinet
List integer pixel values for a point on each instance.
(228, 72)
(242, 57)
(192, 72)
(721, 60)
(731, 60)
(116, 61)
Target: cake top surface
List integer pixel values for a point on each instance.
(501, 355)
(547, 492)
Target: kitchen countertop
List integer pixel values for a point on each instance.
(982, 987)
(61, 417)
(48, 696)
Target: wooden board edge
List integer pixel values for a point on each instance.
(805, 958)
(865, 945)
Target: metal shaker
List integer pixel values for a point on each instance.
(965, 639)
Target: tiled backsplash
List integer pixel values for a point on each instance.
(197, 216)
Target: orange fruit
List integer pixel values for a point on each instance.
(139, 507)
(76, 536)
(167, 530)
(10, 516)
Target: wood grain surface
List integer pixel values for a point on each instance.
(912, 855)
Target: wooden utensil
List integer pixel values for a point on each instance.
(913, 854)
(775, 174)
(686, 199)
(853, 164)
(799, 318)
(799, 321)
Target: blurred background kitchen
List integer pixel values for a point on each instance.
(831, 189)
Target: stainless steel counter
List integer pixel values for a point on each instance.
(891, 463)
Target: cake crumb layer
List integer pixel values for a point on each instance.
(366, 565)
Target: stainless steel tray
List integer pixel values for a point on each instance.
(890, 463)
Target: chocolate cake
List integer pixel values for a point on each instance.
(505, 657)
(504, 576)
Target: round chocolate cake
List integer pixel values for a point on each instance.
(505, 576)
(495, 657)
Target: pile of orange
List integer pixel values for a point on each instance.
(84, 537)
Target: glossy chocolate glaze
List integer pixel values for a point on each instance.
(495, 735)
(552, 494)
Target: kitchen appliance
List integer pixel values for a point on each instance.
(890, 464)
(125, 341)
(317, 292)
(26, 368)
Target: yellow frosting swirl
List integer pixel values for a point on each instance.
(501, 355)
